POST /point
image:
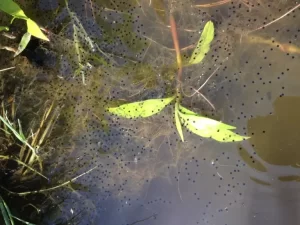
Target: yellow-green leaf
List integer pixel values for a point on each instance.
(12, 8)
(189, 112)
(3, 28)
(186, 111)
(141, 109)
(178, 122)
(203, 44)
(209, 128)
(23, 43)
(35, 30)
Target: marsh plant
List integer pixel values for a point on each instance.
(14, 10)
(194, 122)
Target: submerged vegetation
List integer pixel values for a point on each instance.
(28, 139)
(198, 124)
(21, 153)
(94, 103)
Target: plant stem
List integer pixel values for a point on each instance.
(51, 188)
(10, 68)
(178, 56)
(23, 164)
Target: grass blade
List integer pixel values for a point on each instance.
(23, 221)
(23, 164)
(8, 212)
(9, 68)
(5, 213)
(17, 135)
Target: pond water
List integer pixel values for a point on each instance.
(106, 52)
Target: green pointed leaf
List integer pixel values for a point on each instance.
(3, 28)
(178, 122)
(35, 30)
(203, 44)
(5, 212)
(9, 213)
(186, 111)
(189, 112)
(209, 128)
(141, 109)
(23, 43)
(13, 9)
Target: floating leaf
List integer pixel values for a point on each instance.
(35, 30)
(13, 9)
(206, 127)
(213, 122)
(141, 109)
(203, 44)
(3, 28)
(23, 43)
(177, 122)
(186, 111)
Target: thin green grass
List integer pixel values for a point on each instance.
(18, 134)
(7, 216)
(23, 164)
(51, 188)
(23, 221)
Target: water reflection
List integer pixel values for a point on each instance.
(275, 141)
(275, 137)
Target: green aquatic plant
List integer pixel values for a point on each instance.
(7, 216)
(18, 134)
(195, 123)
(13, 9)
(141, 109)
(83, 42)
(203, 44)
